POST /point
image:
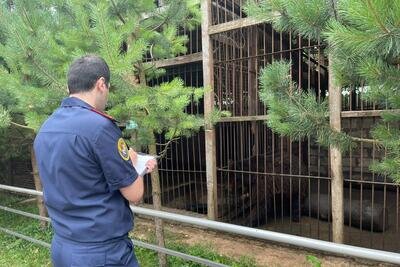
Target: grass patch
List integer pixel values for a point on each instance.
(18, 252)
(15, 251)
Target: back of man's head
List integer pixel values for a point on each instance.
(85, 71)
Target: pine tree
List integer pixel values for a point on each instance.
(363, 39)
(366, 45)
(363, 44)
(40, 38)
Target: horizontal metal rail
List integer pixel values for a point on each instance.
(359, 252)
(27, 238)
(26, 214)
(134, 241)
(341, 249)
(177, 254)
(21, 190)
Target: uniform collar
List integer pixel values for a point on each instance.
(74, 102)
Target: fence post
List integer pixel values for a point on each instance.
(208, 81)
(38, 187)
(335, 106)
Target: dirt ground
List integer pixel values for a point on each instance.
(264, 253)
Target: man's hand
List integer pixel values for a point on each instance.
(151, 165)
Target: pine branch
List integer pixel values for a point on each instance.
(103, 32)
(167, 146)
(22, 126)
(142, 76)
(333, 3)
(44, 71)
(173, 138)
(380, 23)
(25, 14)
(118, 13)
(296, 101)
(26, 49)
(365, 140)
(151, 52)
(163, 22)
(167, 143)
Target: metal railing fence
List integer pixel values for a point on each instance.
(340, 249)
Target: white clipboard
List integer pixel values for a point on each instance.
(142, 159)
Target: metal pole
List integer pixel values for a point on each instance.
(359, 252)
(26, 214)
(21, 190)
(341, 249)
(177, 254)
(27, 238)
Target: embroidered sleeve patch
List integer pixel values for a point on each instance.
(123, 149)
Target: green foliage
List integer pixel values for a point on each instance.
(314, 261)
(306, 17)
(14, 250)
(216, 115)
(369, 35)
(39, 39)
(14, 141)
(14, 145)
(388, 134)
(296, 113)
(367, 27)
(205, 251)
(5, 118)
(159, 109)
(363, 39)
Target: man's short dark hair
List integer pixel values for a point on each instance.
(84, 73)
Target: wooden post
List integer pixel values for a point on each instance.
(252, 69)
(38, 187)
(156, 193)
(252, 85)
(335, 105)
(155, 185)
(208, 81)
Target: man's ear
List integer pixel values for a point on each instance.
(101, 84)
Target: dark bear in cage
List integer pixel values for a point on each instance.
(261, 188)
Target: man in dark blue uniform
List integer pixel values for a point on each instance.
(88, 174)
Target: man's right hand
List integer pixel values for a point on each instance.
(150, 165)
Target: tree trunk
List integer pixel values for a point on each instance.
(335, 105)
(156, 193)
(38, 186)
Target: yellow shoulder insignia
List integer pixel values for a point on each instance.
(123, 149)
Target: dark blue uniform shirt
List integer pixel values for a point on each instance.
(83, 162)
